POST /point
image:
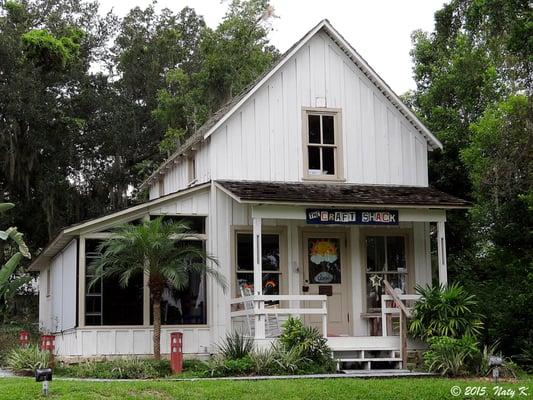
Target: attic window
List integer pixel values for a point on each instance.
(322, 144)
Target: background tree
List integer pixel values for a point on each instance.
(230, 58)
(160, 250)
(473, 76)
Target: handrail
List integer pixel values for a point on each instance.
(279, 297)
(260, 310)
(399, 303)
(404, 314)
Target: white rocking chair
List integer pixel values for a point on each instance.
(272, 324)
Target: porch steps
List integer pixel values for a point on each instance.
(368, 359)
(366, 353)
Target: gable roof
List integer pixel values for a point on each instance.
(233, 105)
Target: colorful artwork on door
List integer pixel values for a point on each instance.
(324, 260)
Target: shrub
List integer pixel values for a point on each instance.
(288, 360)
(263, 362)
(236, 346)
(307, 341)
(219, 366)
(525, 358)
(445, 311)
(26, 360)
(452, 357)
(122, 368)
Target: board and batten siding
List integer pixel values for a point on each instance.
(262, 140)
(57, 312)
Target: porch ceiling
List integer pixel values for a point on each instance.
(339, 194)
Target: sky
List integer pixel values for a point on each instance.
(380, 30)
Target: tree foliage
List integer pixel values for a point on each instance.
(474, 86)
(90, 104)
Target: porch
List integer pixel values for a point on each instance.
(361, 309)
(261, 317)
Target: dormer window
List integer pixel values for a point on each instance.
(322, 144)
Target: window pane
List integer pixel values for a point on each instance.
(245, 258)
(314, 128)
(269, 247)
(196, 224)
(107, 302)
(375, 253)
(396, 253)
(398, 282)
(122, 305)
(324, 260)
(270, 282)
(328, 130)
(187, 306)
(270, 250)
(328, 160)
(374, 290)
(314, 160)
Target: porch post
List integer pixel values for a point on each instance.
(441, 251)
(258, 279)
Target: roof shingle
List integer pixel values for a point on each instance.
(341, 193)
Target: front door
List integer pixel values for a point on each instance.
(325, 272)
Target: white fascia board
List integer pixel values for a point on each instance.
(135, 209)
(384, 87)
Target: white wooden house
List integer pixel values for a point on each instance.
(311, 189)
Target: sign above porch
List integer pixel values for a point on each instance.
(333, 216)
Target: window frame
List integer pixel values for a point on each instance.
(283, 268)
(409, 261)
(336, 113)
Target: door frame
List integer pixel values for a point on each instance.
(346, 272)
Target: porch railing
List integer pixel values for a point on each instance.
(262, 318)
(401, 305)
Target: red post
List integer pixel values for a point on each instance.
(24, 338)
(176, 352)
(48, 343)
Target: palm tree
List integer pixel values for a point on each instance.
(160, 250)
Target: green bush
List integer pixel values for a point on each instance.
(445, 311)
(236, 346)
(27, 359)
(122, 368)
(219, 366)
(452, 357)
(307, 342)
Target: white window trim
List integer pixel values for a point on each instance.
(339, 163)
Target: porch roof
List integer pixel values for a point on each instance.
(339, 194)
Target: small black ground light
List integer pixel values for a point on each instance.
(43, 375)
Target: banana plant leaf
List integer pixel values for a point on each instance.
(6, 206)
(7, 270)
(13, 234)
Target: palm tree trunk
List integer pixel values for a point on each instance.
(157, 326)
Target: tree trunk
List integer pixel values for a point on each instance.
(157, 326)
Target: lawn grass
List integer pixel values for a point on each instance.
(312, 389)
